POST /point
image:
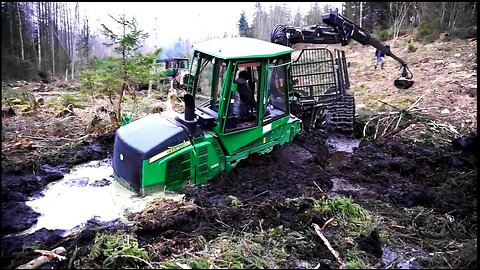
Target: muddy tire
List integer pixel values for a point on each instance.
(339, 116)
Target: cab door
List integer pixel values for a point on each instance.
(241, 125)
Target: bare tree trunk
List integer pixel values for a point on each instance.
(443, 13)
(20, 32)
(124, 75)
(39, 37)
(74, 40)
(53, 48)
(361, 14)
(11, 28)
(399, 11)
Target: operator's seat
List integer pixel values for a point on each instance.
(247, 95)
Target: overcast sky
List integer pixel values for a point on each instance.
(166, 21)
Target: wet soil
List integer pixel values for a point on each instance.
(18, 187)
(280, 189)
(407, 176)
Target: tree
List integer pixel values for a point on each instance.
(243, 27)
(314, 16)
(126, 44)
(377, 16)
(297, 20)
(259, 24)
(399, 11)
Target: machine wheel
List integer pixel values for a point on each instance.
(338, 116)
(279, 35)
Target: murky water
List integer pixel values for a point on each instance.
(341, 148)
(341, 185)
(402, 259)
(340, 144)
(88, 191)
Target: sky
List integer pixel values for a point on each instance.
(167, 21)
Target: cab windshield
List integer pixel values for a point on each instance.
(209, 80)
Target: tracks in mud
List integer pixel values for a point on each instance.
(279, 189)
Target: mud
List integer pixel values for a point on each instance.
(408, 176)
(279, 189)
(260, 192)
(18, 187)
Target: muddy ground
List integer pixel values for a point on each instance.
(390, 179)
(398, 201)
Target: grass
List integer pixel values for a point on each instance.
(115, 250)
(343, 209)
(355, 259)
(265, 249)
(68, 98)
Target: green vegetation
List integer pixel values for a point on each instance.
(411, 48)
(68, 98)
(383, 34)
(248, 250)
(342, 208)
(355, 259)
(425, 32)
(118, 250)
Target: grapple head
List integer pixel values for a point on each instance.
(403, 83)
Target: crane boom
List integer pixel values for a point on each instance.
(340, 30)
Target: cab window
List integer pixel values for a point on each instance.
(277, 90)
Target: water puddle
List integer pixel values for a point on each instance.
(341, 144)
(341, 185)
(88, 191)
(402, 259)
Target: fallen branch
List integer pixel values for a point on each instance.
(321, 190)
(326, 223)
(183, 266)
(327, 243)
(416, 102)
(46, 257)
(393, 106)
(260, 194)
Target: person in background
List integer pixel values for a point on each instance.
(173, 91)
(379, 56)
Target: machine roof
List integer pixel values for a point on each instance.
(242, 47)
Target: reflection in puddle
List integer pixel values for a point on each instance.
(341, 186)
(402, 259)
(340, 144)
(88, 191)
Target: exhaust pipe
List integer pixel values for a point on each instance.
(188, 119)
(189, 107)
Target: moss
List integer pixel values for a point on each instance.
(356, 259)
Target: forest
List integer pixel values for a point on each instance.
(54, 38)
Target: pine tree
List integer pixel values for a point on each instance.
(243, 27)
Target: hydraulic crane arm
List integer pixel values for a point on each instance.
(340, 30)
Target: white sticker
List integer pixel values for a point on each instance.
(267, 128)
